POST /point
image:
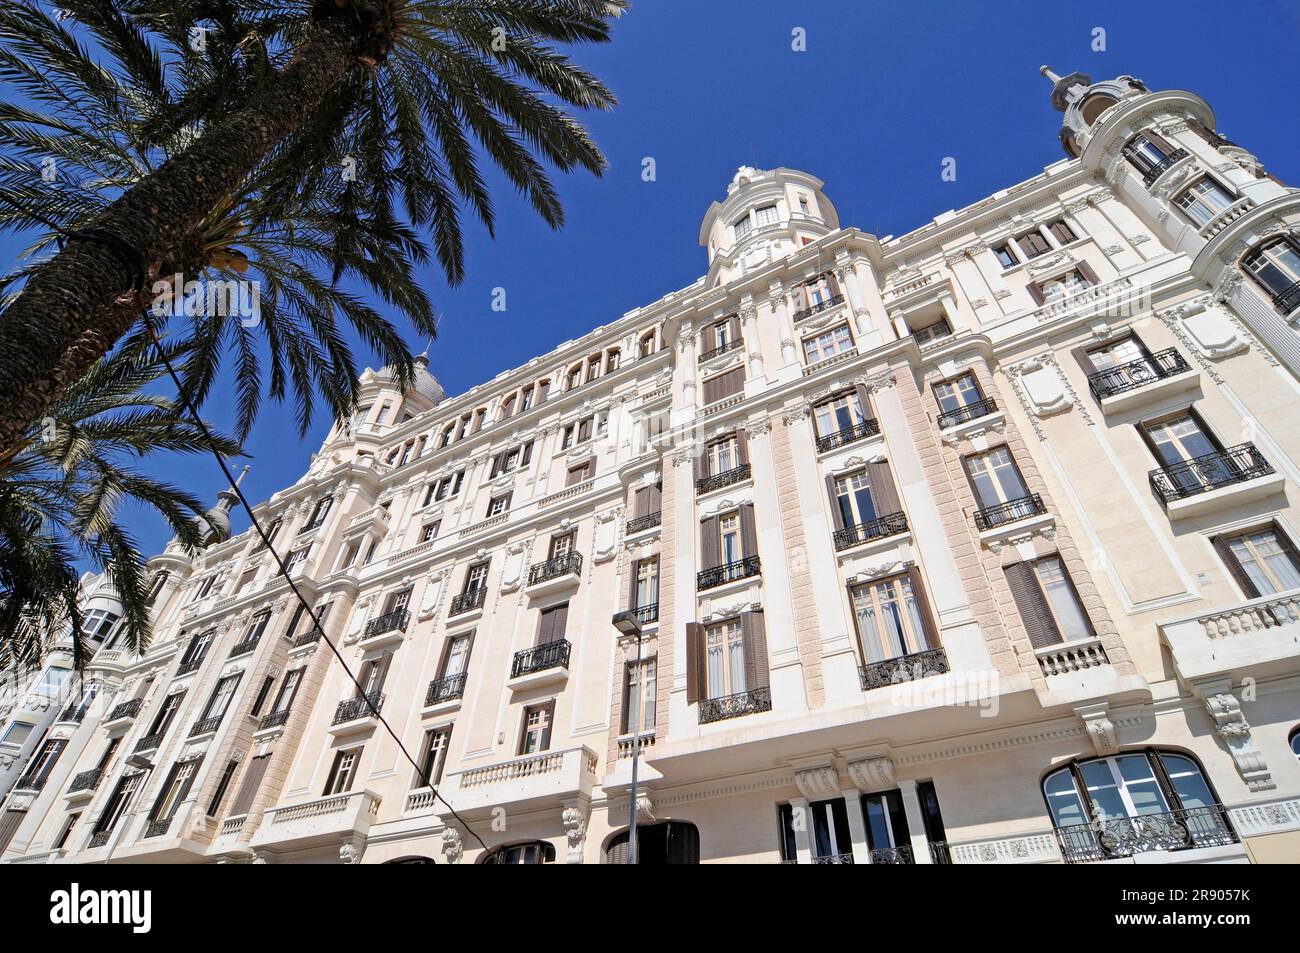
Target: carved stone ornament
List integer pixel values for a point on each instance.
(818, 784)
(452, 846)
(873, 774)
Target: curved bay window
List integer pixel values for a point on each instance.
(1204, 200)
(1275, 266)
(669, 842)
(1151, 154)
(529, 852)
(1118, 806)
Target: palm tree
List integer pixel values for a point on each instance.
(61, 492)
(404, 88)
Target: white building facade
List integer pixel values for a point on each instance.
(975, 545)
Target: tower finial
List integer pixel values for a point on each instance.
(1047, 71)
(242, 473)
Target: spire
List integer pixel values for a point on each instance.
(1047, 71)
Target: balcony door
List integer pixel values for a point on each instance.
(995, 478)
(890, 618)
(724, 648)
(886, 824)
(1192, 455)
(958, 393)
(831, 838)
(1125, 363)
(839, 414)
(536, 732)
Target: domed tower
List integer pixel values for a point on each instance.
(1083, 101)
(766, 215)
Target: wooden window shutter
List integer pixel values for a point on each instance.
(754, 632)
(638, 502)
(1061, 232)
(836, 513)
(654, 499)
(695, 662)
(1089, 275)
(526, 455)
(631, 584)
(1287, 545)
(496, 466)
(733, 324)
(865, 400)
(748, 535)
(9, 822)
(742, 447)
(1036, 292)
(701, 462)
(546, 627)
(1084, 360)
(382, 666)
(1230, 562)
(1032, 605)
(883, 491)
(710, 551)
(923, 604)
(710, 390)
(1159, 141)
(833, 283)
(625, 727)
(617, 852)
(248, 787)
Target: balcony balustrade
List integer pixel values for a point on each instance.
(972, 411)
(307, 638)
(734, 706)
(818, 308)
(468, 600)
(149, 742)
(127, 709)
(158, 828)
(360, 706)
(649, 521)
(904, 668)
(99, 839)
(718, 480)
(205, 726)
(991, 517)
(191, 666)
(1288, 300)
(728, 572)
(646, 614)
(892, 855)
(243, 648)
(1209, 472)
(879, 528)
(86, 780)
(720, 350)
(1135, 374)
(570, 564)
(1163, 166)
(541, 657)
(1118, 837)
(939, 853)
(395, 621)
(847, 435)
(32, 781)
(833, 859)
(273, 719)
(445, 689)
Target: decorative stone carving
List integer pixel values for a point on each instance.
(1100, 727)
(817, 784)
(1231, 725)
(607, 526)
(452, 847)
(350, 853)
(575, 829)
(873, 774)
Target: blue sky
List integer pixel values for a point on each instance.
(883, 93)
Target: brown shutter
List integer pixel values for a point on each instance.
(631, 584)
(382, 665)
(1036, 292)
(248, 787)
(638, 502)
(883, 492)
(1234, 568)
(754, 632)
(923, 604)
(742, 447)
(1032, 605)
(695, 662)
(1288, 547)
(627, 686)
(710, 389)
(865, 400)
(1158, 141)
(836, 513)
(734, 323)
(748, 535)
(654, 500)
(710, 552)
(701, 462)
(1084, 359)
(1089, 275)
(833, 283)
(561, 614)
(542, 390)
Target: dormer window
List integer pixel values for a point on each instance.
(765, 215)
(743, 226)
(932, 332)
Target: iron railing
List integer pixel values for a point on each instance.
(817, 308)
(649, 521)
(445, 689)
(646, 614)
(99, 838)
(359, 706)
(718, 480)
(186, 667)
(307, 638)
(274, 719)
(939, 853)
(734, 706)
(243, 648)
(541, 657)
(728, 572)
(889, 525)
(972, 411)
(721, 349)
(892, 855)
(570, 564)
(205, 725)
(86, 780)
(833, 859)
(847, 435)
(158, 828)
(1010, 511)
(388, 622)
(1125, 836)
(1287, 300)
(76, 711)
(467, 600)
(150, 742)
(127, 709)
(33, 780)
(1161, 167)
(1209, 472)
(1135, 374)
(904, 668)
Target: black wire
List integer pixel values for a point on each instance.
(420, 770)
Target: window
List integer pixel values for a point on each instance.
(98, 623)
(68, 825)
(645, 585)
(639, 697)
(957, 393)
(995, 477)
(17, 734)
(889, 617)
(581, 473)
(765, 215)
(553, 624)
(197, 650)
(245, 578)
(725, 669)
(322, 510)
(1203, 200)
(271, 532)
(370, 678)
(1276, 266)
(445, 439)
(205, 587)
(561, 545)
(743, 226)
(1147, 150)
(267, 684)
(827, 344)
(39, 768)
(1062, 286)
(456, 658)
(932, 332)
(166, 714)
(839, 414)
(407, 449)
(1048, 604)
(498, 504)
(256, 628)
(830, 830)
(476, 578)
(288, 690)
(1180, 438)
(534, 852)
(221, 697)
(429, 532)
(1033, 244)
(573, 378)
(509, 460)
(1108, 357)
(723, 455)
(593, 367)
(669, 842)
(434, 758)
(1060, 231)
(724, 385)
(729, 539)
(117, 802)
(296, 557)
(612, 357)
(789, 845)
(886, 824)
(1006, 257)
(219, 795)
(577, 432)
(175, 789)
(536, 735)
(1263, 561)
(853, 497)
(646, 347)
(508, 407)
(343, 771)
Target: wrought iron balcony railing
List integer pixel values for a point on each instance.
(274, 719)
(646, 614)
(32, 781)
(75, 711)
(972, 411)
(1161, 167)
(833, 859)
(307, 638)
(904, 668)
(718, 480)
(939, 853)
(243, 648)
(186, 667)
(1125, 836)
(570, 564)
(879, 528)
(1135, 374)
(99, 838)
(734, 706)
(1209, 472)
(86, 780)
(1010, 511)
(359, 706)
(150, 742)
(1287, 300)
(127, 709)
(445, 689)
(818, 308)
(158, 828)
(847, 435)
(467, 600)
(541, 657)
(728, 572)
(892, 855)
(388, 622)
(205, 725)
(720, 350)
(649, 521)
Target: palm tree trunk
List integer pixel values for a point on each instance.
(57, 324)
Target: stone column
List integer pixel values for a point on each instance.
(753, 347)
(915, 822)
(857, 826)
(778, 298)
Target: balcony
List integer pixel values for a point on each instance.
(642, 523)
(892, 855)
(468, 601)
(99, 839)
(847, 435)
(1160, 168)
(735, 706)
(359, 709)
(323, 821)
(720, 350)
(1257, 639)
(389, 627)
(1125, 379)
(186, 667)
(1072, 657)
(831, 859)
(307, 638)
(149, 742)
(939, 853)
(879, 528)
(206, 726)
(1237, 475)
(244, 648)
(728, 572)
(123, 712)
(818, 308)
(1118, 837)
(545, 780)
(644, 615)
(904, 668)
(716, 482)
(86, 781)
(32, 781)
(273, 719)
(991, 517)
(554, 573)
(158, 828)
(542, 664)
(972, 411)
(1287, 300)
(76, 711)
(443, 690)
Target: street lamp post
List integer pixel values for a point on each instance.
(627, 624)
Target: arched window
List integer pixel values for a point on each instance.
(1275, 266)
(1295, 741)
(411, 860)
(1095, 105)
(1117, 806)
(1151, 154)
(529, 852)
(647, 346)
(671, 842)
